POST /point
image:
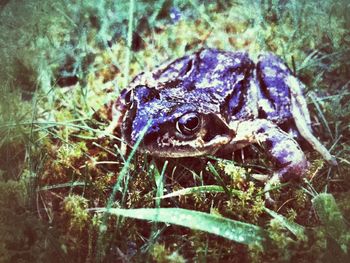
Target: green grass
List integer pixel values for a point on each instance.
(68, 193)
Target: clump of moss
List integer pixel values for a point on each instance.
(161, 254)
(246, 201)
(24, 237)
(75, 208)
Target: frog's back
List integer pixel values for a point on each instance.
(274, 100)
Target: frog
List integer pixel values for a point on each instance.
(215, 100)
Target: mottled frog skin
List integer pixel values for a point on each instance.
(216, 100)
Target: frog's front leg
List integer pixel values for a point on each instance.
(285, 153)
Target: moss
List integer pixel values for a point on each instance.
(75, 209)
(24, 238)
(160, 254)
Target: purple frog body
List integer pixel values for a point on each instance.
(213, 100)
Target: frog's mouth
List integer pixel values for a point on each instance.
(177, 149)
(212, 135)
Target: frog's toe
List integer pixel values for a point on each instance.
(269, 202)
(290, 160)
(273, 181)
(333, 161)
(293, 170)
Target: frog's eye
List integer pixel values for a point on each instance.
(188, 124)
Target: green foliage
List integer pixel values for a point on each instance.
(332, 219)
(24, 238)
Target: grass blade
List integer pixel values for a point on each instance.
(219, 179)
(332, 219)
(159, 177)
(320, 113)
(234, 230)
(199, 190)
(63, 185)
(295, 228)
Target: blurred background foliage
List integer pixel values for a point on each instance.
(63, 60)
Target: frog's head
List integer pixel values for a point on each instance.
(186, 103)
